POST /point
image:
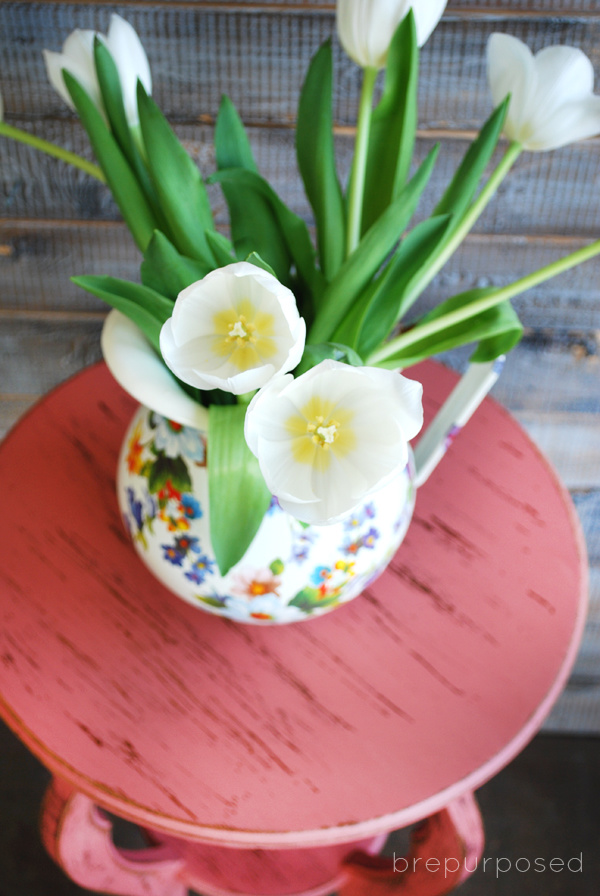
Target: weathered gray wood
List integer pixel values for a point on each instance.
(545, 193)
(36, 355)
(570, 441)
(198, 52)
(37, 259)
(40, 349)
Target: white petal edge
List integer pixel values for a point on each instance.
(427, 16)
(132, 63)
(137, 368)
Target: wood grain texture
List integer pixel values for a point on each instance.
(203, 728)
(38, 258)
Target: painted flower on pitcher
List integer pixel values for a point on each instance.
(254, 583)
(77, 57)
(135, 451)
(552, 101)
(366, 27)
(202, 567)
(173, 439)
(233, 330)
(332, 436)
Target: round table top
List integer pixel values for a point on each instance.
(317, 732)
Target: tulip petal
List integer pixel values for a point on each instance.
(552, 103)
(511, 70)
(138, 369)
(427, 15)
(334, 435)
(233, 330)
(131, 61)
(365, 27)
(574, 121)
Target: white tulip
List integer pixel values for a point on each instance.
(552, 102)
(234, 330)
(366, 27)
(77, 58)
(332, 436)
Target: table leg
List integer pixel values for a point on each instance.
(444, 851)
(78, 835)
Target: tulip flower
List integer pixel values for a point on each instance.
(552, 102)
(233, 330)
(327, 439)
(366, 27)
(77, 58)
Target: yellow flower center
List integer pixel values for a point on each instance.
(241, 332)
(317, 434)
(323, 436)
(244, 335)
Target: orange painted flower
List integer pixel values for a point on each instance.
(134, 454)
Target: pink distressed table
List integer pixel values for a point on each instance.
(274, 760)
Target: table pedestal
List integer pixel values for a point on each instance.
(78, 835)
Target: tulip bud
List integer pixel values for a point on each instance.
(366, 27)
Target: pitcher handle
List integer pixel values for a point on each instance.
(78, 836)
(460, 405)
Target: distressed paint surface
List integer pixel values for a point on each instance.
(259, 737)
(57, 222)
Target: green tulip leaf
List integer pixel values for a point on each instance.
(145, 307)
(238, 496)
(506, 333)
(254, 224)
(232, 146)
(335, 351)
(255, 259)
(497, 330)
(112, 98)
(387, 298)
(292, 229)
(125, 189)
(177, 181)
(462, 187)
(220, 247)
(166, 271)
(315, 151)
(365, 261)
(393, 124)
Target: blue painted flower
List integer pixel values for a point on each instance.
(358, 517)
(190, 507)
(186, 543)
(273, 506)
(202, 567)
(136, 509)
(353, 521)
(370, 538)
(172, 554)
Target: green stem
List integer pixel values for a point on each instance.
(357, 176)
(469, 219)
(51, 149)
(429, 328)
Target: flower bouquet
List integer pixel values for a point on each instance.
(277, 355)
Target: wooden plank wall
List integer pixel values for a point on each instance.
(56, 222)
